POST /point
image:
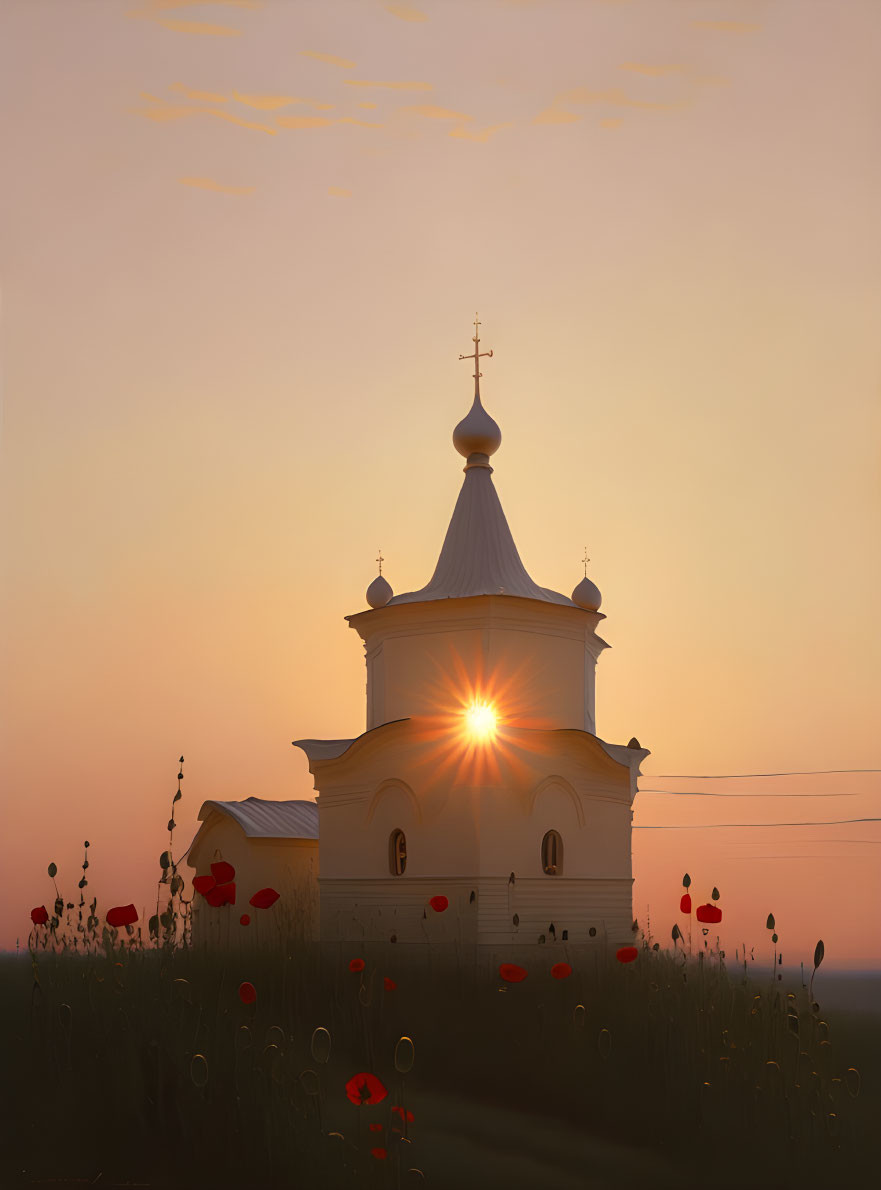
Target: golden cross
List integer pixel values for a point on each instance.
(585, 560)
(476, 355)
(381, 559)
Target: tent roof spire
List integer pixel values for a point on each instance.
(479, 556)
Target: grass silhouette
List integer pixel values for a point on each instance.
(145, 1065)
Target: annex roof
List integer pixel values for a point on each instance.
(260, 818)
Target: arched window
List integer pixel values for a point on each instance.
(397, 853)
(552, 854)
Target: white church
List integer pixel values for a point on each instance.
(479, 803)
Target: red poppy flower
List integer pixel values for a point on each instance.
(379, 1154)
(685, 903)
(244, 920)
(356, 965)
(375, 1127)
(247, 992)
(626, 954)
(264, 898)
(511, 973)
(439, 904)
(400, 1111)
(223, 872)
(365, 1088)
(561, 971)
(39, 916)
(203, 884)
(710, 914)
(222, 894)
(388, 984)
(122, 915)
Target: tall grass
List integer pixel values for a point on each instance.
(145, 1065)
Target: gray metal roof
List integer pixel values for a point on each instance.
(479, 556)
(263, 819)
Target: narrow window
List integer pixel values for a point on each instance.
(552, 854)
(397, 853)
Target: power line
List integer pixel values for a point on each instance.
(706, 826)
(738, 776)
(712, 793)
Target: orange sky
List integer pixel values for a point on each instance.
(240, 247)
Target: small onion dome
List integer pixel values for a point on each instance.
(379, 592)
(587, 595)
(477, 433)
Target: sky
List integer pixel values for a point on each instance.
(241, 247)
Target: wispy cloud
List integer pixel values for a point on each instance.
(727, 26)
(302, 121)
(406, 12)
(611, 122)
(338, 192)
(480, 135)
(219, 187)
(555, 115)
(329, 59)
(359, 123)
(432, 112)
(272, 103)
(161, 112)
(199, 96)
(232, 119)
(198, 27)
(390, 86)
(367, 103)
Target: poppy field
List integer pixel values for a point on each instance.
(384, 1065)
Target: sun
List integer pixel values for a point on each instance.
(481, 720)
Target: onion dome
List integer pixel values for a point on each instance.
(379, 592)
(587, 595)
(477, 433)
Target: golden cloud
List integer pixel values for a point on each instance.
(360, 123)
(480, 135)
(198, 27)
(219, 187)
(367, 103)
(611, 121)
(406, 12)
(199, 96)
(431, 112)
(230, 118)
(272, 103)
(163, 113)
(302, 121)
(330, 59)
(555, 115)
(390, 86)
(339, 192)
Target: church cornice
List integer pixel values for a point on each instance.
(509, 612)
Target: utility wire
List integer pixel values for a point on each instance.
(738, 776)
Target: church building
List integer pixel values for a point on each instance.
(479, 792)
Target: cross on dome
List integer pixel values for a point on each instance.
(477, 355)
(477, 436)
